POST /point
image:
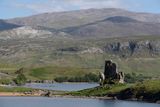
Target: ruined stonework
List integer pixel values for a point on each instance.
(111, 74)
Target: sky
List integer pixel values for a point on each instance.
(21, 8)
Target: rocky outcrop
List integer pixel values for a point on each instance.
(92, 50)
(24, 32)
(136, 48)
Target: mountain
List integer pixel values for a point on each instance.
(83, 39)
(117, 26)
(94, 23)
(59, 20)
(6, 26)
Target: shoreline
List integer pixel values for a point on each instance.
(21, 94)
(146, 91)
(14, 94)
(18, 94)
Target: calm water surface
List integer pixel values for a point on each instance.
(62, 86)
(67, 102)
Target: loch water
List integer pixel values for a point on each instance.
(68, 102)
(62, 86)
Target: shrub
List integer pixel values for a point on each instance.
(133, 77)
(61, 79)
(20, 79)
(90, 77)
(5, 81)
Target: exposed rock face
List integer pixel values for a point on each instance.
(111, 73)
(92, 50)
(136, 48)
(24, 32)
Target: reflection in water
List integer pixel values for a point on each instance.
(120, 103)
(67, 102)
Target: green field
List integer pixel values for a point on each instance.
(145, 66)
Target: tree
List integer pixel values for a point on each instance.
(20, 79)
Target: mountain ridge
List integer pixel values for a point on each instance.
(61, 20)
(113, 27)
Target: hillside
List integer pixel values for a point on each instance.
(117, 26)
(139, 55)
(94, 23)
(78, 40)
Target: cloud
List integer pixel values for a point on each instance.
(38, 7)
(84, 4)
(67, 5)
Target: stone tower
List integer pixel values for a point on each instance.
(111, 73)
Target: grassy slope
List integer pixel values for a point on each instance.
(49, 73)
(49, 63)
(145, 66)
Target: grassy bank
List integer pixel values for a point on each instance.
(100, 91)
(15, 89)
(147, 91)
(144, 91)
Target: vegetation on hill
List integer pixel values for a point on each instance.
(68, 74)
(50, 73)
(21, 78)
(48, 59)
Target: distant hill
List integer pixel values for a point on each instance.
(94, 23)
(59, 20)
